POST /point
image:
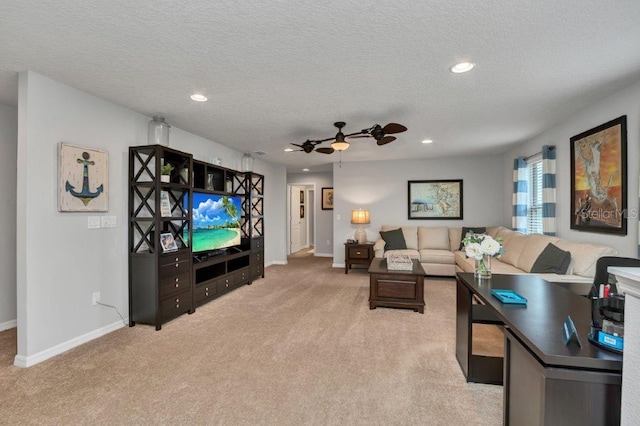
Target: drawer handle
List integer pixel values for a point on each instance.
(177, 264)
(177, 305)
(226, 285)
(357, 252)
(177, 285)
(177, 258)
(206, 294)
(177, 279)
(226, 281)
(206, 289)
(177, 300)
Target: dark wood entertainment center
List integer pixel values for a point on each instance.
(164, 285)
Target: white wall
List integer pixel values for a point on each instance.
(626, 102)
(8, 145)
(60, 263)
(382, 188)
(323, 218)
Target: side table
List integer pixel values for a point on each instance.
(357, 254)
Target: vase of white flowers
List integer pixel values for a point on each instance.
(482, 248)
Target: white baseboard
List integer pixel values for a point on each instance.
(323, 254)
(28, 361)
(337, 265)
(7, 325)
(276, 262)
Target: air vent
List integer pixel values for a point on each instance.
(259, 152)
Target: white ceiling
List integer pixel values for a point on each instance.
(283, 71)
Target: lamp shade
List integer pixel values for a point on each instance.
(340, 144)
(360, 217)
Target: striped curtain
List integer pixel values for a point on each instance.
(520, 195)
(549, 190)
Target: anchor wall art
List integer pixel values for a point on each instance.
(83, 183)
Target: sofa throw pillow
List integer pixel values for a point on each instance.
(475, 230)
(552, 260)
(394, 240)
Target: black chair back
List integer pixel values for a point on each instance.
(602, 276)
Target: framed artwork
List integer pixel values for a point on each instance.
(599, 178)
(327, 198)
(168, 242)
(83, 179)
(301, 212)
(301, 197)
(435, 199)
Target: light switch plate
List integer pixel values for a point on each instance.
(93, 222)
(108, 221)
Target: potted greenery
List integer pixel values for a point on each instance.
(166, 172)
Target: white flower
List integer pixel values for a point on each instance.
(473, 250)
(490, 246)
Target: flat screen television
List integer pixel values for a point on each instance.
(215, 222)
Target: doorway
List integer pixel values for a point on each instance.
(300, 218)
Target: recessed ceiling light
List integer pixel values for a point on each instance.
(462, 67)
(427, 141)
(305, 170)
(288, 150)
(199, 98)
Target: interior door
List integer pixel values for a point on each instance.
(295, 221)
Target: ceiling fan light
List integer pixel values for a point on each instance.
(340, 145)
(462, 67)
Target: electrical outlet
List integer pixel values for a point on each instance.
(96, 298)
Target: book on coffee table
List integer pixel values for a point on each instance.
(399, 262)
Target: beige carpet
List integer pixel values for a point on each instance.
(298, 347)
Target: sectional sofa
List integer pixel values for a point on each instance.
(439, 251)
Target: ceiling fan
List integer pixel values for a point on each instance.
(379, 133)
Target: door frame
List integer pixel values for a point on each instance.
(307, 185)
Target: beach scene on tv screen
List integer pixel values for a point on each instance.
(216, 222)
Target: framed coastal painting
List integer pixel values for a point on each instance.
(599, 178)
(327, 198)
(83, 179)
(435, 199)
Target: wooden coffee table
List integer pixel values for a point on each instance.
(396, 289)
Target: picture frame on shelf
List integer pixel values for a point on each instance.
(435, 199)
(599, 178)
(168, 243)
(165, 205)
(327, 198)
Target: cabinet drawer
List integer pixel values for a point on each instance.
(257, 257)
(175, 284)
(172, 258)
(175, 305)
(175, 268)
(242, 276)
(257, 244)
(226, 283)
(257, 270)
(358, 253)
(204, 291)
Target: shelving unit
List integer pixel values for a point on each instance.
(159, 280)
(164, 285)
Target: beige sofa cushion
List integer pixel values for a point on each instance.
(513, 245)
(497, 267)
(585, 255)
(410, 234)
(437, 256)
(436, 237)
(455, 238)
(535, 244)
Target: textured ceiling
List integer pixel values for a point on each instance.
(281, 71)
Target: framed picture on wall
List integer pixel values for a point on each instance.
(83, 179)
(327, 198)
(599, 178)
(435, 199)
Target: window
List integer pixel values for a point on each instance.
(534, 207)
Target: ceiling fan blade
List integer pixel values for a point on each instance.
(393, 128)
(385, 140)
(358, 136)
(325, 150)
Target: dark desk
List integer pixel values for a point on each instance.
(545, 382)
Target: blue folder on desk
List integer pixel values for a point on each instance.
(509, 296)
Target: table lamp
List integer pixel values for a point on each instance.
(360, 217)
